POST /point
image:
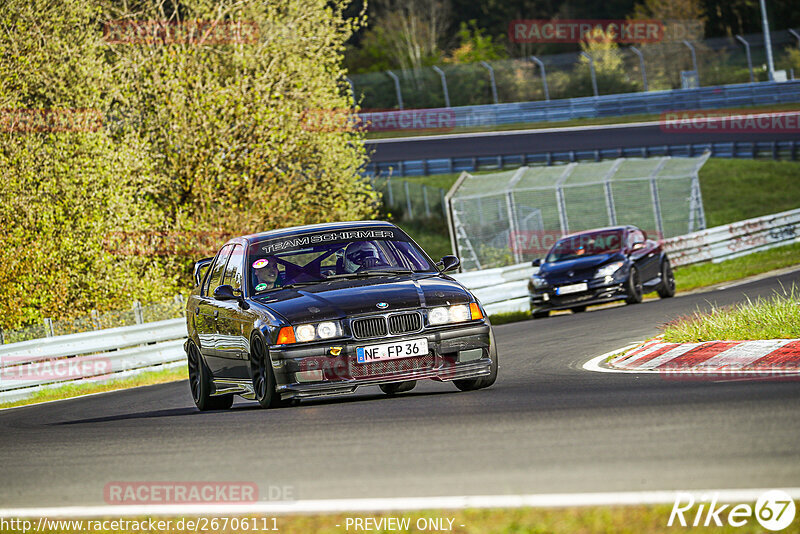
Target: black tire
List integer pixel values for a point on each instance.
(578, 309)
(540, 314)
(667, 288)
(633, 287)
(263, 377)
(471, 384)
(201, 385)
(398, 387)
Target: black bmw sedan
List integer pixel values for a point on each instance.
(597, 266)
(324, 309)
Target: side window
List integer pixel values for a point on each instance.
(212, 281)
(233, 271)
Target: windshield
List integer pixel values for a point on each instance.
(587, 244)
(313, 258)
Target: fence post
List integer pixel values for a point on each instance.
(444, 86)
(409, 211)
(425, 200)
(2, 337)
(491, 79)
(694, 60)
(544, 76)
(138, 315)
(594, 74)
(655, 198)
(95, 319)
(48, 327)
(394, 77)
(747, 52)
(641, 66)
(444, 204)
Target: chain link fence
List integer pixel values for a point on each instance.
(516, 216)
(654, 66)
(409, 200)
(158, 311)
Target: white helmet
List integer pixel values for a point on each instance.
(360, 254)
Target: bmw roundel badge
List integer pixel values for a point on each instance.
(382, 305)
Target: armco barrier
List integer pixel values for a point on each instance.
(129, 349)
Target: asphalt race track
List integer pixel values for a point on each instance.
(546, 426)
(553, 140)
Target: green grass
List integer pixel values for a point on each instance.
(706, 274)
(777, 317)
(84, 388)
(560, 124)
(574, 520)
(509, 317)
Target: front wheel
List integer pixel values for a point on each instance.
(578, 309)
(667, 287)
(471, 384)
(201, 385)
(634, 287)
(263, 377)
(540, 314)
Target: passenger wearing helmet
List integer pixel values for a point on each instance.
(361, 255)
(266, 273)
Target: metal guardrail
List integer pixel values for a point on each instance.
(505, 289)
(777, 150)
(126, 350)
(589, 107)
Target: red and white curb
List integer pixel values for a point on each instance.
(763, 357)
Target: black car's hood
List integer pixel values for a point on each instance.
(580, 267)
(342, 298)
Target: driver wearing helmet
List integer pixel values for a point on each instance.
(266, 273)
(361, 255)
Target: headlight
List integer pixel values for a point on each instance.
(538, 281)
(454, 314)
(608, 270)
(314, 332)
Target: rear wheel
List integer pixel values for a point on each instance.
(667, 287)
(579, 309)
(399, 387)
(634, 287)
(263, 377)
(201, 385)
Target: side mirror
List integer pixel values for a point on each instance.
(537, 262)
(226, 292)
(448, 263)
(637, 246)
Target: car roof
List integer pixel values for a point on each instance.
(309, 228)
(603, 229)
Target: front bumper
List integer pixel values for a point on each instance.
(546, 299)
(455, 352)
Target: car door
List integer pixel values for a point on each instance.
(232, 324)
(644, 254)
(207, 309)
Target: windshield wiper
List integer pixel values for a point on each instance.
(373, 272)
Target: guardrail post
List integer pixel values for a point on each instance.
(48, 327)
(594, 74)
(138, 315)
(491, 79)
(444, 86)
(749, 58)
(641, 67)
(394, 77)
(95, 319)
(544, 76)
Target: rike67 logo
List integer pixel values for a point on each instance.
(774, 510)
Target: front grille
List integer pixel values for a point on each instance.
(405, 322)
(369, 327)
(388, 367)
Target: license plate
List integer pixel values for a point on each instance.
(392, 351)
(574, 288)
